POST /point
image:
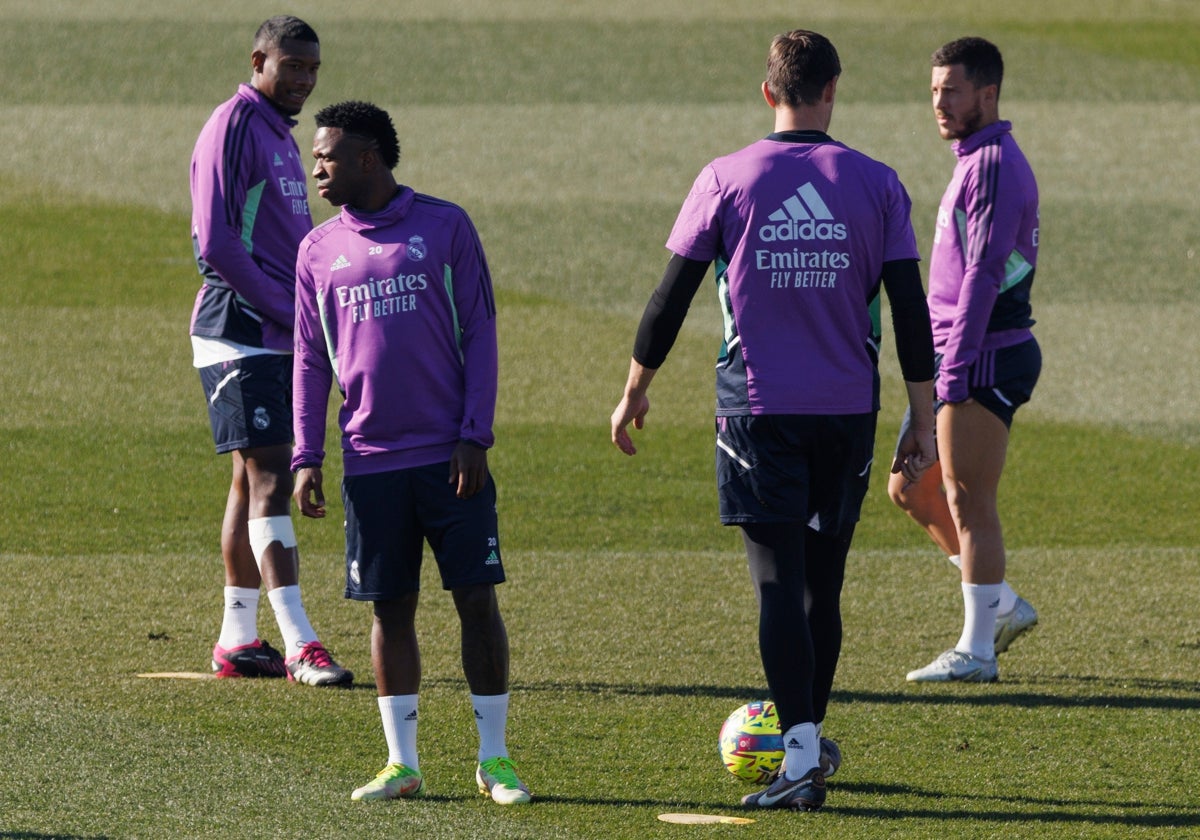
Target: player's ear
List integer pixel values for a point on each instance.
(766, 92)
(258, 59)
(830, 89)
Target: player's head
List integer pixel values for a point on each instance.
(284, 61)
(981, 61)
(356, 149)
(800, 65)
(965, 86)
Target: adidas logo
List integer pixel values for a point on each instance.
(340, 263)
(278, 160)
(411, 715)
(804, 215)
(237, 605)
(493, 559)
(994, 604)
(794, 744)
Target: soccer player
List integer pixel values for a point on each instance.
(394, 304)
(803, 231)
(249, 213)
(981, 269)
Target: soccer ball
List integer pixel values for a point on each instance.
(751, 744)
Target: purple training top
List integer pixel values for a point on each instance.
(249, 213)
(397, 308)
(799, 226)
(984, 253)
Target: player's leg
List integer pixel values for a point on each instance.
(925, 503)
(485, 663)
(972, 446)
(763, 476)
(775, 554)
(464, 536)
(825, 568)
(272, 539)
(238, 651)
(396, 659)
(383, 566)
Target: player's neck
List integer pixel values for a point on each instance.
(804, 118)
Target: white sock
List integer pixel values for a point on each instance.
(802, 750)
(239, 624)
(293, 621)
(980, 602)
(1008, 596)
(399, 713)
(491, 719)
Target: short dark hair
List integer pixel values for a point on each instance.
(799, 66)
(364, 120)
(274, 31)
(980, 59)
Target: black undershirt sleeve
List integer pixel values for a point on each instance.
(666, 310)
(910, 319)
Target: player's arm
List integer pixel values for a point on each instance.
(219, 194)
(659, 327)
(914, 350)
(312, 379)
(476, 306)
(992, 213)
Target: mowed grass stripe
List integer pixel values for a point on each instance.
(547, 154)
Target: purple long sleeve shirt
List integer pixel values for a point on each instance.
(984, 255)
(396, 307)
(249, 213)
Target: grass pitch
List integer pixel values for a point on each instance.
(571, 135)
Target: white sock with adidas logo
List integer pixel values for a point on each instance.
(399, 713)
(239, 624)
(491, 719)
(1008, 595)
(801, 746)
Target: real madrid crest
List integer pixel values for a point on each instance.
(416, 248)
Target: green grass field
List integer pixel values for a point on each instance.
(571, 135)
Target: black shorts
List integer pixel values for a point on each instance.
(1000, 380)
(812, 469)
(389, 517)
(249, 401)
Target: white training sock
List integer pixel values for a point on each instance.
(1008, 599)
(293, 621)
(980, 602)
(239, 624)
(802, 750)
(1008, 596)
(491, 719)
(399, 713)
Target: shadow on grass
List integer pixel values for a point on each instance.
(975, 809)
(1054, 810)
(1062, 692)
(37, 835)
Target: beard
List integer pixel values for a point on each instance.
(967, 125)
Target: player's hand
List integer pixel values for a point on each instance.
(916, 453)
(309, 493)
(468, 469)
(629, 410)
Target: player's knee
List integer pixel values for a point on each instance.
(901, 492)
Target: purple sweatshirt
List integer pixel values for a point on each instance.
(799, 226)
(249, 213)
(984, 253)
(397, 308)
